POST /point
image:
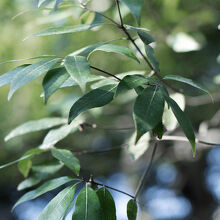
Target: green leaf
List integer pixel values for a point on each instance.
(64, 30)
(183, 120)
(30, 73)
(132, 28)
(153, 60)
(53, 80)
(67, 158)
(158, 131)
(148, 110)
(79, 69)
(46, 187)
(95, 98)
(7, 77)
(187, 81)
(32, 126)
(130, 82)
(116, 49)
(29, 182)
(58, 134)
(86, 50)
(135, 8)
(57, 207)
(87, 205)
(132, 210)
(146, 38)
(107, 204)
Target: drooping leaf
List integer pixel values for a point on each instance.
(67, 158)
(37, 125)
(57, 135)
(148, 110)
(187, 81)
(64, 30)
(116, 49)
(131, 82)
(53, 81)
(40, 172)
(30, 73)
(95, 98)
(146, 38)
(32, 152)
(158, 131)
(132, 210)
(153, 60)
(107, 204)
(183, 120)
(135, 8)
(132, 28)
(86, 50)
(79, 69)
(57, 207)
(87, 205)
(46, 187)
(7, 77)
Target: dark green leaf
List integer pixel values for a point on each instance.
(30, 73)
(146, 38)
(183, 120)
(158, 131)
(79, 69)
(153, 60)
(32, 126)
(116, 49)
(132, 210)
(87, 205)
(67, 158)
(7, 77)
(57, 207)
(186, 81)
(64, 30)
(46, 187)
(135, 8)
(53, 80)
(107, 204)
(131, 82)
(95, 98)
(148, 110)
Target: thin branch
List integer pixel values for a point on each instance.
(119, 12)
(107, 73)
(145, 174)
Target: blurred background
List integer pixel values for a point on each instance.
(187, 43)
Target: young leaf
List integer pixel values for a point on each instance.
(130, 82)
(57, 135)
(107, 204)
(79, 69)
(57, 207)
(132, 210)
(153, 60)
(87, 205)
(148, 110)
(146, 38)
(67, 158)
(7, 77)
(95, 98)
(116, 49)
(30, 73)
(64, 30)
(53, 80)
(32, 126)
(46, 187)
(187, 81)
(135, 8)
(183, 120)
